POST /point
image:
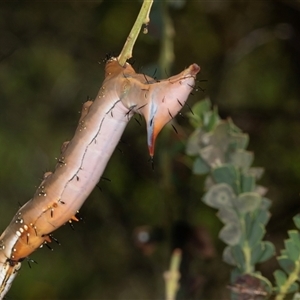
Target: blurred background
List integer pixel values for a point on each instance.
(51, 60)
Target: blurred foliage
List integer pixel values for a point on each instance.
(219, 150)
(49, 54)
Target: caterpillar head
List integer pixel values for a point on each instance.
(158, 101)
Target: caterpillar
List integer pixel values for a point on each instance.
(84, 158)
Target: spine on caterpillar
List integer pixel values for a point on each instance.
(84, 158)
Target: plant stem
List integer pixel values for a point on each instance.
(142, 18)
(291, 279)
(172, 275)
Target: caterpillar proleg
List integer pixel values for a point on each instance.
(84, 158)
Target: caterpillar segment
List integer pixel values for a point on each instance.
(83, 160)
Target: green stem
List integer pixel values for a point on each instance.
(246, 249)
(293, 277)
(172, 276)
(247, 253)
(142, 18)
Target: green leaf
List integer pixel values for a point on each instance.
(200, 167)
(220, 136)
(214, 119)
(232, 127)
(293, 288)
(255, 233)
(286, 264)
(262, 252)
(295, 238)
(247, 202)
(268, 251)
(219, 195)
(241, 159)
(199, 109)
(280, 278)
(193, 143)
(247, 183)
(227, 256)
(262, 216)
(238, 141)
(227, 174)
(292, 250)
(296, 220)
(230, 234)
(228, 215)
(239, 257)
(211, 155)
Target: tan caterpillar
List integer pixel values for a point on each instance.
(84, 158)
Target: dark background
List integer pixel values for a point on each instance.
(51, 59)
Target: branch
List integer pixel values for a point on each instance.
(142, 19)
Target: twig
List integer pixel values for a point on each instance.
(143, 18)
(172, 276)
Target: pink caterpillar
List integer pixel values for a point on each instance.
(84, 158)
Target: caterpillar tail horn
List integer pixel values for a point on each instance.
(166, 101)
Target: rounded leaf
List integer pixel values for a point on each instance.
(219, 195)
(247, 202)
(228, 215)
(228, 257)
(230, 234)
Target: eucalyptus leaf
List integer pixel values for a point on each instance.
(227, 174)
(238, 141)
(211, 155)
(200, 167)
(232, 127)
(247, 202)
(230, 234)
(201, 107)
(262, 252)
(293, 288)
(228, 215)
(286, 264)
(268, 251)
(295, 238)
(220, 137)
(213, 120)
(280, 278)
(262, 216)
(292, 250)
(255, 233)
(247, 183)
(219, 195)
(241, 159)
(193, 143)
(198, 111)
(228, 257)
(239, 257)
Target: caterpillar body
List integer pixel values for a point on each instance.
(84, 158)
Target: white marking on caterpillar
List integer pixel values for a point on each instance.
(61, 193)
